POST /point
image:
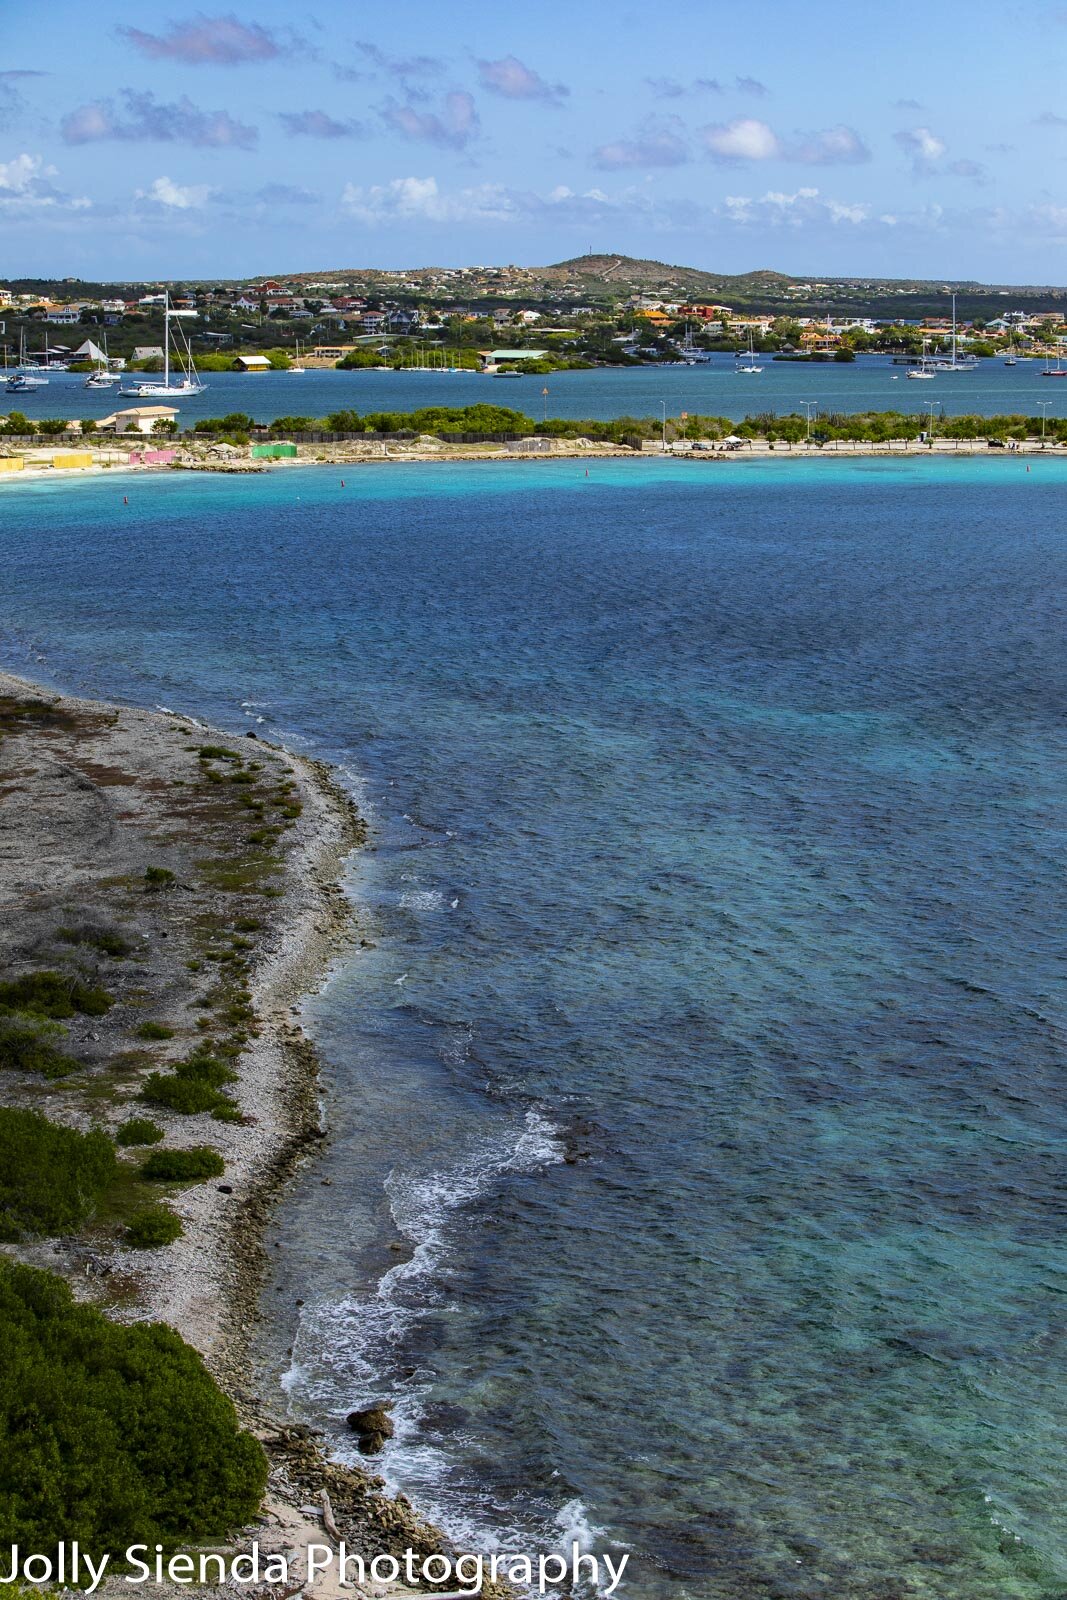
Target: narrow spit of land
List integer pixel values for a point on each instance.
(189, 881)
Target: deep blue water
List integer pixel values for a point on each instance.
(719, 843)
(871, 383)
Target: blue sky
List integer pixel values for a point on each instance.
(921, 139)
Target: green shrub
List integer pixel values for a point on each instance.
(158, 877)
(183, 1166)
(152, 1227)
(139, 1130)
(27, 1045)
(113, 1435)
(50, 1177)
(107, 940)
(53, 994)
(217, 752)
(194, 1085)
(155, 1030)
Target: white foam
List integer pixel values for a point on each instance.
(422, 900)
(343, 1345)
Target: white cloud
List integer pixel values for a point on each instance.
(658, 143)
(416, 199)
(207, 41)
(453, 126)
(803, 207)
(743, 139)
(421, 200)
(146, 119)
(749, 139)
(175, 196)
(923, 147)
(925, 150)
(23, 174)
(514, 80)
(26, 185)
(840, 146)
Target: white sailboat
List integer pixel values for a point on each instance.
(188, 383)
(298, 367)
(102, 377)
(956, 363)
(24, 379)
(1011, 359)
(691, 352)
(749, 365)
(923, 369)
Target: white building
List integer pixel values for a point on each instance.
(138, 419)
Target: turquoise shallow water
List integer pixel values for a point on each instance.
(719, 847)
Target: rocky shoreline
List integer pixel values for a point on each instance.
(96, 799)
(189, 457)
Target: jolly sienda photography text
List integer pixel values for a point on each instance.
(138, 1564)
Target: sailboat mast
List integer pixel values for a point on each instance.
(166, 339)
(953, 330)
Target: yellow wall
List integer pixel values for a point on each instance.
(11, 463)
(73, 458)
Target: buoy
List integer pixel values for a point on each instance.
(587, 472)
(126, 502)
(342, 483)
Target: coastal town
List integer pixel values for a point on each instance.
(595, 311)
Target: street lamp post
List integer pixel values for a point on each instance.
(663, 407)
(931, 405)
(1044, 404)
(807, 404)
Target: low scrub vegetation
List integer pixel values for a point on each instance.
(28, 1043)
(53, 994)
(107, 940)
(51, 1178)
(194, 1085)
(113, 1435)
(155, 1030)
(183, 1166)
(139, 1131)
(152, 1227)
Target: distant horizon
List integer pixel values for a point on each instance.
(205, 142)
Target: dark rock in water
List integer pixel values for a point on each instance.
(373, 1424)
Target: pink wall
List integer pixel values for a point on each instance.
(151, 458)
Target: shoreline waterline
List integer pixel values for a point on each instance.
(757, 451)
(209, 1284)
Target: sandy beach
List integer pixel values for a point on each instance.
(93, 797)
(202, 458)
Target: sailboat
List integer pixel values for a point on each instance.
(750, 364)
(923, 369)
(24, 379)
(188, 383)
(103, 377)
(298, 367)
(1058, 371)
(1011, 359)
(957, 363)
(692, 353)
